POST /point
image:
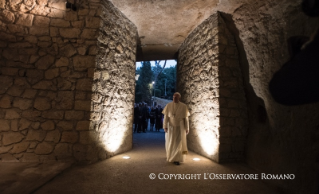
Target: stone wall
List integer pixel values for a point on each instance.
(281, 139)
(48, 67)
(114, 81)
(210, 82)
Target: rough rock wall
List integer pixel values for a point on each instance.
(210, 82)
(48, 57)
(114, 81)
(281, 139)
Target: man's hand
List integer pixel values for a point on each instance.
(187, 131)
(165, 130)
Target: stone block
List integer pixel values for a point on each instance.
(65, 100)
(7, 37)
(56, 13)
(51, 73)
(83, 125)
(12, 114)
(44, 85)
(71, 16)
(39, 31)
(80, 62)
(87, 137)
(53, 136)
(20, 147)
(4, 125)
(57, 115)
(30, 157)
(35, 135)
(5, 82)
(35, 125)
(15, 90)
(63, 149)
(62, 62)
(74, 115)
(59, 23)
(82, 105)
(31, 114)
(45, 62)
(89, 34)
(48, 125)
(5, 101)
(67, 51)
(22, 104)
(44, 148)
(54, 32)
(41, 21)
(84, 84)
(29, 93)
(42, 103)
(78, 24)
(16, 29)
(65, 125)
(25, 19)
(82, 50)
(5, 149)
(24, 124)
(11, 138)
(70, 32)
(92, 22)
(69, 137)
(83, 12)
(9, 71)
(8, 158)
(6, 16)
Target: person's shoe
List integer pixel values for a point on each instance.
(176, 163)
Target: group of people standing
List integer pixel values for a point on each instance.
(144, 114)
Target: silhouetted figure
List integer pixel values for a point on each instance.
(152, 118)
(136, 115)
(297, 82)
(158, 118)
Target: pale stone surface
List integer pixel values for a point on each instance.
(11, 137)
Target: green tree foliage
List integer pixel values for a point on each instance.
(168, 75)
(143, 85)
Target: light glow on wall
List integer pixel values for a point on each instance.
(206, 127)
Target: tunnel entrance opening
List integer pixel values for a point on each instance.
(154, 88)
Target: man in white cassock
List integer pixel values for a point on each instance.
(176, 127)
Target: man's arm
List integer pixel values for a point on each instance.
(187, 125)
(165, 123)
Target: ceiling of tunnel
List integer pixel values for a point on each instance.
(163, 25)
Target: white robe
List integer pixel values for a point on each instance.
(176, 120)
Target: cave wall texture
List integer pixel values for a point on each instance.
(51, 85)
(210, 82)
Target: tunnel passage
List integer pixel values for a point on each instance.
(70, 93)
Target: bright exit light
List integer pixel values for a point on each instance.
(126, 157)
(196, 159)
